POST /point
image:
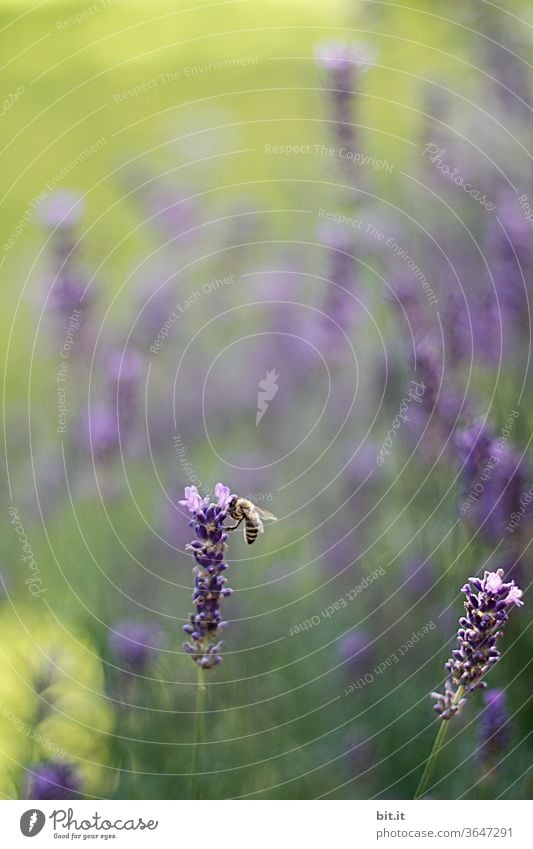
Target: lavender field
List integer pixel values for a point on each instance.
(266, 337)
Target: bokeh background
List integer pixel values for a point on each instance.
(331, 199)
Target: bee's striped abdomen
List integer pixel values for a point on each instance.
(251, 532)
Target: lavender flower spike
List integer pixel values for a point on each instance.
(208, 550)
(52, 780)
(493, 730)
(487, 601)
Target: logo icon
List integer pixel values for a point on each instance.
(32, 822)
(268, 390)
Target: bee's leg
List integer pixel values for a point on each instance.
(234, 527)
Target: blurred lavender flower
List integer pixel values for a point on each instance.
(124, 370)
(360, 751)
(486, 605)
(62, 213)
(493, 729)
(440, 404)
(418, 575)
(493, 479)
(208, 550)
(171, 210)
(99, 432)
(52, 780)
(474, 447)
(356, 650)
(339, 306)
(63, 208)
(404, 297)
(135, 644)
(511, 254)
(344, 63)
(472, 329)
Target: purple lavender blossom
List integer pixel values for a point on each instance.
(99, 432)
(52, 780)
(440, 404)
(356, 650)
(124, 369)
(493, 479)
(418, 575)
(493, 733)
(62, 213)
(343, 64)
(510, 251)
(68, 292)
(208, 550)
(474, 448)
(472, 329)
(63, 208)
(339, 305)
(135, 644)
(486, 605)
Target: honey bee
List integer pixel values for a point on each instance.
(243, 510)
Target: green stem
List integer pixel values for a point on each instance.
(201, 702)
(434, 754)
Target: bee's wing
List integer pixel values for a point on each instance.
(265, 515)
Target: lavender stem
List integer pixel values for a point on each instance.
(201, 703)
(433, 755)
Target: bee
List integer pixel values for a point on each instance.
(243, 510)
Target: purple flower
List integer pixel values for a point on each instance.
(208, 550)
(68, 292)
(223, 494)
(486, 605)
(343, 64)
(99, 432)
(52, 780)
(493, 732)
(339, 306)
(440, 404)
(356, 650)
(472, 328)
(493, 479)
(192, 500)
(418, 575)
(63, 208)
(124, 369)
(70, 289)
(134, 644)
